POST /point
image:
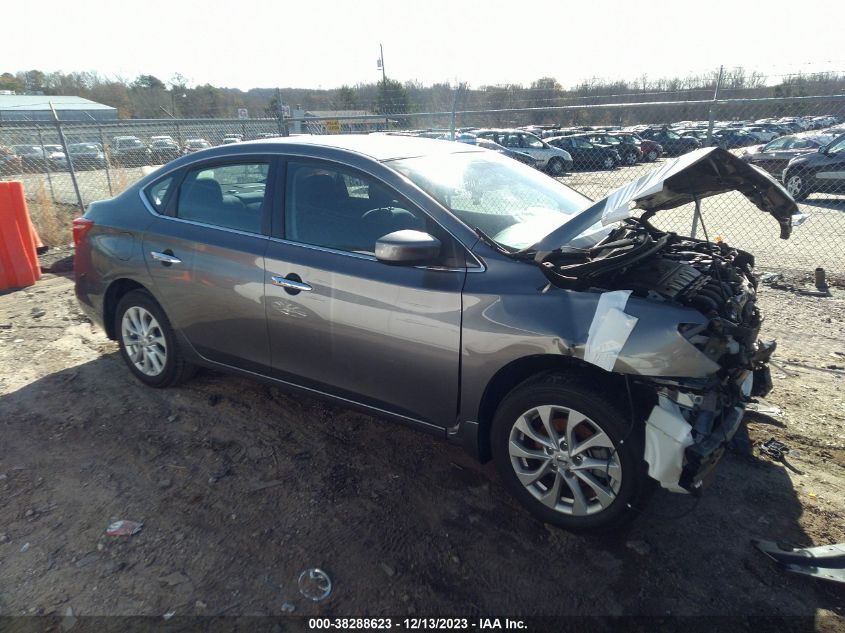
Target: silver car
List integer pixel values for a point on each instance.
(454, 290)
(554, 160)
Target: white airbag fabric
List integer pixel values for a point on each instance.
(667, 435)
(609, 330)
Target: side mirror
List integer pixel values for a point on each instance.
(823, 149)
(407, 247)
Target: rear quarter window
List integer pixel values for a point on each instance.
(156, 193)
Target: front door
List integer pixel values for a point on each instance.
(342, 322)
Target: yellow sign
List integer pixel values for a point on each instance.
(333, 126)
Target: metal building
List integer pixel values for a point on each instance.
(37, 108)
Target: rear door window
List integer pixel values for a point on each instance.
(229, 196)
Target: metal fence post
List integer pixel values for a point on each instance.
(454, 115)
(711, 114)
(105, 159)
(46, 164)
(69, 161)
(711, 119)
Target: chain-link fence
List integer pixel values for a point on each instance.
(65, 166)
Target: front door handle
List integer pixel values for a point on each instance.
(165, 258)
(291, 283)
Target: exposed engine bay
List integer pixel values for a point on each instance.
(696, 416)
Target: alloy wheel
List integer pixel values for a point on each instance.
(565, 460)
(794, 185)
(144, 341)
(608, 163)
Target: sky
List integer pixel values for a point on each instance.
(328, 43)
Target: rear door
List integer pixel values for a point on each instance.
(205, 254)
(342, 322)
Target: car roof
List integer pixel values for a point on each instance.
(378, 146)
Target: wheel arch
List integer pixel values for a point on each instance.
(528, 368)
(114, 293)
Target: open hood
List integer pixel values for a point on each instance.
(698, 174)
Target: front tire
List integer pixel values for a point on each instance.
(569, 455)
(556, 167)
(652, 155)
(796, 186)
(148, 343)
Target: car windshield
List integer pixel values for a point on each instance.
(82, 148)
(514, 204)
(837, 147)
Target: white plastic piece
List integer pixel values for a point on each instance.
(667, 435)
(609, 330)
(747, 385)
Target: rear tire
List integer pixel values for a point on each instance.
(590, 476)
(651, 156)
(148, 343)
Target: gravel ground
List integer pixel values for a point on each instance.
(240, 487)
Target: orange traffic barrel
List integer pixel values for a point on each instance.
(18, 259)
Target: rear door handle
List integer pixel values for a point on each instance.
(290, 284)
(165, 258)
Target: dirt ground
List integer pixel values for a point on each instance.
(240, 487)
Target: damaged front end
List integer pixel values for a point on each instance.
(692, 417)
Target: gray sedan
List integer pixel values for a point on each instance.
(453, 290)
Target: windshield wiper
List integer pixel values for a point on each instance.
(501, 248)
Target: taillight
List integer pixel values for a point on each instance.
(81, 228)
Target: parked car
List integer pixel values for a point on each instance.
(673, 143)
(129, 151)
(553, 160)
(195, 145)
(732, 138)
(32, 157)
(83, 156)
(649, 150)
(163, 151)
(10, 163)
(453, 290)
(760, 133)
(587, 155)
(822, 171)
(774, 156)
(486, 143)
(230, 140)
(629, 152)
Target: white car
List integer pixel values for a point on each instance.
(550, 159)
(761, 134)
